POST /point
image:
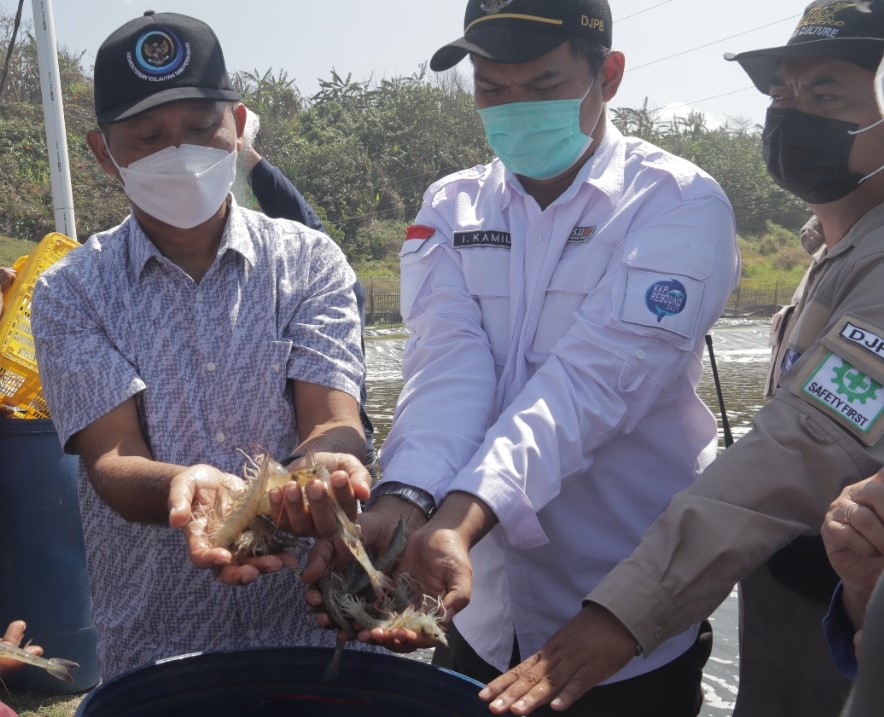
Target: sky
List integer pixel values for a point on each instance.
(673, 48)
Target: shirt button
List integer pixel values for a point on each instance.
(199, 296)
(220, 437)
(640, 354)
(210, 367)
(536, 238)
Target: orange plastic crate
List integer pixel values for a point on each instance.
(19, 379)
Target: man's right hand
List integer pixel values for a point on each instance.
(853, 533)
(436, 558)
(192, 493)
(589, 648)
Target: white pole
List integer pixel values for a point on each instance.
(53, 114)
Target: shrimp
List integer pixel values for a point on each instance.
(233, 513)
(424, 623)
(55, 666)
(347, 529)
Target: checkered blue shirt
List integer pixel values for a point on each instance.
(210, 365)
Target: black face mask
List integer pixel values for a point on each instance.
(807, 155)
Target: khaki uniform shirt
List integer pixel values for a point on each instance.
(820, 431)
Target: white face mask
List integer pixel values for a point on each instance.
(182, 186)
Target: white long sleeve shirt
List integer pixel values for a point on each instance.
(552, 371)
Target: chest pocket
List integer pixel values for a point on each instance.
(487, 275)
(269, 361)
(578, 273)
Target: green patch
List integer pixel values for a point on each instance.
(845, 393)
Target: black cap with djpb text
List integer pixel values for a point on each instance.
(516, 31)
(156, 59)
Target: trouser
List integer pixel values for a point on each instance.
(785, 664)
(672, 690)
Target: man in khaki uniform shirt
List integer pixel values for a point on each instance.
(820, 430)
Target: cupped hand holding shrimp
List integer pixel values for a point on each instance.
(436, 558)
(347, 482)
(192, 493)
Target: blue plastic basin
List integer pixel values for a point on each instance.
(272, 682)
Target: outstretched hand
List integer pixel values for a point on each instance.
(588, 649)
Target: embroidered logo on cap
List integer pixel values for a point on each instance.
(666, 298)
(159, 55)
(822, 21)
(495, 5)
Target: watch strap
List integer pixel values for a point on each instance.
(419, 498)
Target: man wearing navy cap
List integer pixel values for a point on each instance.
(193, 330)
(820, 430)
(557, 300)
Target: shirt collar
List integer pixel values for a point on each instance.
(236, 237)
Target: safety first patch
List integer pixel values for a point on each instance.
(664, 301)
(843, 378)
(415, 236)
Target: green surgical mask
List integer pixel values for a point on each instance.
(540, 140)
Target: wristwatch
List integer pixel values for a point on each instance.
(419, 498)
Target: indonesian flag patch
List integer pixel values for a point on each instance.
(415, 236)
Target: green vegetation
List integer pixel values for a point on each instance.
(11, 249)
(363, 153)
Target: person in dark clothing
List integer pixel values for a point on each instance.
(280, 199)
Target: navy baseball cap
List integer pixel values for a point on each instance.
(515, 31)
(849, 30)
(155, 59)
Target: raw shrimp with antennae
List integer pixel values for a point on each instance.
(348, 530)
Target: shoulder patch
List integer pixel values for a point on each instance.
(415, 236)
(664, 301)
(845, 393)
(419, 231)
(843, 377)
(864, 338)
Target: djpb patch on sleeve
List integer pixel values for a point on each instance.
(843, 377)
(665, 301)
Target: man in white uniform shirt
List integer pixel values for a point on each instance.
(557, 300)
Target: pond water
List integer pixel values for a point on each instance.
(741, 354)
